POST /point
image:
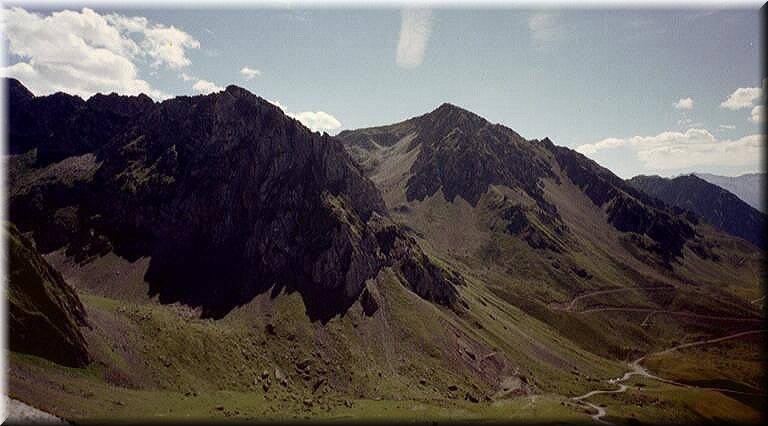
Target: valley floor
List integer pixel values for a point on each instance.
(110, 389)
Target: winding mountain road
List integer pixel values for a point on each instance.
(679, 313)
(639, 370)
(572, 306)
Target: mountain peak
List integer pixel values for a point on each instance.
(17, 90)
(313, 222)
(447, 106)
(237, 91)
(447, 117)
(447, 109)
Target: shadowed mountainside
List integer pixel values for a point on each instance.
(226, 195)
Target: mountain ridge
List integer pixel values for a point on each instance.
(713, 203)
(748, 187)
(135, 194)
(491, 154)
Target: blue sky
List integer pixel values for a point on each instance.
(604, 82)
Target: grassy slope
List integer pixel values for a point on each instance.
(731, 364)
(164, 363)
(148, 356)
(43, 311)
(656, 403)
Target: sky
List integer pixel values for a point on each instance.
(640, 91)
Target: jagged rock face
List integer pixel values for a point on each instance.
(61, 125)
(44, 313)
(229, 198)
(717, 206)
(463, 154)
(519, 224)
(228, 189)
(422, 276)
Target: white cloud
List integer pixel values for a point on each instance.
(745, 151)
(684, 103)
(677, 150)
(318, 120)
(250, 73)
(544, 30)
(415, 30)
(315, 121)
(201, 86)
(594, 148)
(758, 114)
(84, 53)
(164, 45)
(643, 142)
(743, 97)
(205, 87)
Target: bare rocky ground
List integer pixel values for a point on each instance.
(21, 413)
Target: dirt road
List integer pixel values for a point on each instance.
(678, 313)
(638, 370)
(572, 306)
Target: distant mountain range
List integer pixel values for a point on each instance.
(214, 256)
(749, 187)
(713, 203)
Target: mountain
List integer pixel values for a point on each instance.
(540, 224)
(713, 203)
(225, 194)
(233, 264)
(44, 313)
(462, 155)
(748, 187)
(61, 125)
